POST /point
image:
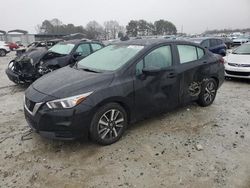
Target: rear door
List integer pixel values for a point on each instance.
(193, 68)
(157, 92)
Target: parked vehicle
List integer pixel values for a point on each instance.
(37, 45)
(241, 40)
(119, 84)
(35, 63)
(228, 42)
(215, 45)
(4, 48)
(13, 46)
(237, 63)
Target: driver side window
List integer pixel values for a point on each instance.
(83, 49)
(159, 58)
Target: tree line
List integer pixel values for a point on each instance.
(109, 30)
(226, 31)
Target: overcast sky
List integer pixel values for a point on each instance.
(195, 15)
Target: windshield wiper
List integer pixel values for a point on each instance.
(241, 53)
(90, 70)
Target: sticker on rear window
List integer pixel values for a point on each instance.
(135, 47)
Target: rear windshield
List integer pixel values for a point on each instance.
(110, 58)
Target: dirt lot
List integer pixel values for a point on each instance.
(157, 152)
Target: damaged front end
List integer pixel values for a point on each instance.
(22, 70)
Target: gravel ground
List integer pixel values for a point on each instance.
(190, 147)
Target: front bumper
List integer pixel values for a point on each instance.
(237, 72)
(18, 78)
(63, 124)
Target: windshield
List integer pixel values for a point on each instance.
(63, 49)
(109, 58)
(243, 37)
(243, 49)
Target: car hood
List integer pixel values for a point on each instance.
(237, 58)
(38, 54)
(35, 55)
(67, 81)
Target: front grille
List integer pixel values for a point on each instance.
(239, 65)
(29, 104)
(238, 73)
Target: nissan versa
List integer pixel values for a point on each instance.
(119, 84)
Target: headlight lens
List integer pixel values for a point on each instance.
(11, 65)
(69, 102)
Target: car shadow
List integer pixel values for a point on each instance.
(242, 80)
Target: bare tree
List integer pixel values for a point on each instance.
(94, 30)
(112, 28)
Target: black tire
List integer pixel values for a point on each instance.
(208, 92)
(2, 53)
(106, 130)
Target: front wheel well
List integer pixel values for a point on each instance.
(120, 102)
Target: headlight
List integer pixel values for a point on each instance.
(69, 102)
(11, 65)
(31, 61)
(41, 63)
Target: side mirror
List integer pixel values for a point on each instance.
(76, 55)
(151, 71)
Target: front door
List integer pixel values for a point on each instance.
(159, 91)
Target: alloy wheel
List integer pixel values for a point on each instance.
(110, 124)
(210, 92)
(2, 53)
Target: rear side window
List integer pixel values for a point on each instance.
(95, 47)
(200, 52)
(189, 53)
(219, 42)
(213, 42)
(205, 44)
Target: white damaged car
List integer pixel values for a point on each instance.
(237, 63)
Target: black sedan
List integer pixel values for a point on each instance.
(120, 84)
(39, 61)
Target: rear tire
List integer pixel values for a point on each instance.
(208, 92)
(108, 124)
(2, 53)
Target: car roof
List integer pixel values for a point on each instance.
(149, 42)
(204, 38)
(76, 41)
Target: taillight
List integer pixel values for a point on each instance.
(221, 60)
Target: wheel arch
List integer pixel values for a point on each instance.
(216, 79)
(119, 100)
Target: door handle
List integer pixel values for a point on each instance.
(171, 75)
(204, 62)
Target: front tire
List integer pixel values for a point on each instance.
(208, 92)
(108, 124)
(2, 53)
